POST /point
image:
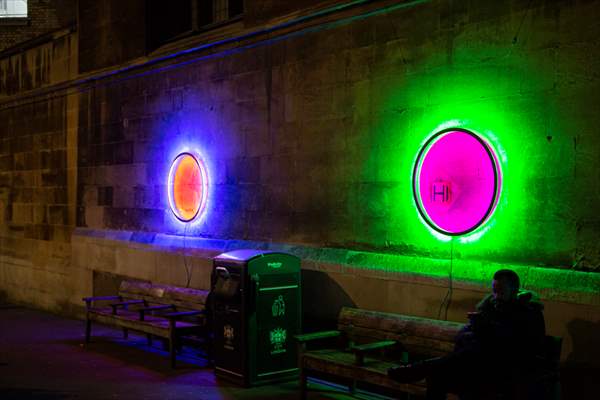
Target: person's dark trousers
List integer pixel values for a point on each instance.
(464, 373)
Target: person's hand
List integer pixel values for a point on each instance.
(473, 316)
(475, 320)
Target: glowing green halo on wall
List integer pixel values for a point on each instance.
(507, 104)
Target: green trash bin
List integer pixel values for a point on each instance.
(256, 308)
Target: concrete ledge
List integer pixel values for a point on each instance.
(555, 284)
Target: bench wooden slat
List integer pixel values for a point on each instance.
(395, 323)
(140, 288)
(185, 295)
(373, 346)
(187, 298)
(413, 344)
(373, 371)
(307, 337)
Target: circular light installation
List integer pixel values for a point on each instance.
(456, 181)
(187, 187)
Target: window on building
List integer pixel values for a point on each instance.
(171, 20)
(13, 8)
(211, 12)
(167, 20)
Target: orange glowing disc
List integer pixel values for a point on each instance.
(187, 187)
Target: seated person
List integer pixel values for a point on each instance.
(497, 346)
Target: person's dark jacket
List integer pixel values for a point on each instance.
(511, 331)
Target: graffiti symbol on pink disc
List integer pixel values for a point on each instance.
(456, 181)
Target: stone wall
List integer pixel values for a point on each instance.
(44, 16)
(52, 62)
(110, 32)
(309, 133)
(38, 178)
(312, 139)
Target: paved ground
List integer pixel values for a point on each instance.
(42, 356)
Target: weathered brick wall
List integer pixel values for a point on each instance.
(38, 172)
(50, 63)
(34, 167)
(37, 220)
(305, 139)
(45, 16)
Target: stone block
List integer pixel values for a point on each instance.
(59, 140)
(314, 142)
(171, 268)
(244, 170)
(230, 198)
(22, 213)
(362, 33)
(19, 162)
(148, 152)
(135, 263)
(134, 219)
(93, 217)
(257, 139)
(251, 111)
(123, 152)
(54, 256)
(84, 286)
(4, 143)
(322, 71)
(89, 195)
(250, 197)
(23, 179)
(57, 195)
(58, 215)
(278, 169)
(44, 159)
(58, 159)
(273, 226)
(133, 174)
(54, 178)
(93, 256)
(250, 86)
(40, 214)
(37, 232)
(316, 104)
(23, 195)
(122, 196)
(147, 196)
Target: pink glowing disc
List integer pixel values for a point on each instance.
(456, 181)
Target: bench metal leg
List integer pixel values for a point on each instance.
(149, 338)
(209, 351)
(88, 330)
(125, 333)
(352, 387)
(172, 347)
(303, 384)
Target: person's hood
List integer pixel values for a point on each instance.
(529, 298)
(526, 298)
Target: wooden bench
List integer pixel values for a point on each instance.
(163, 311)
(370, 342)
